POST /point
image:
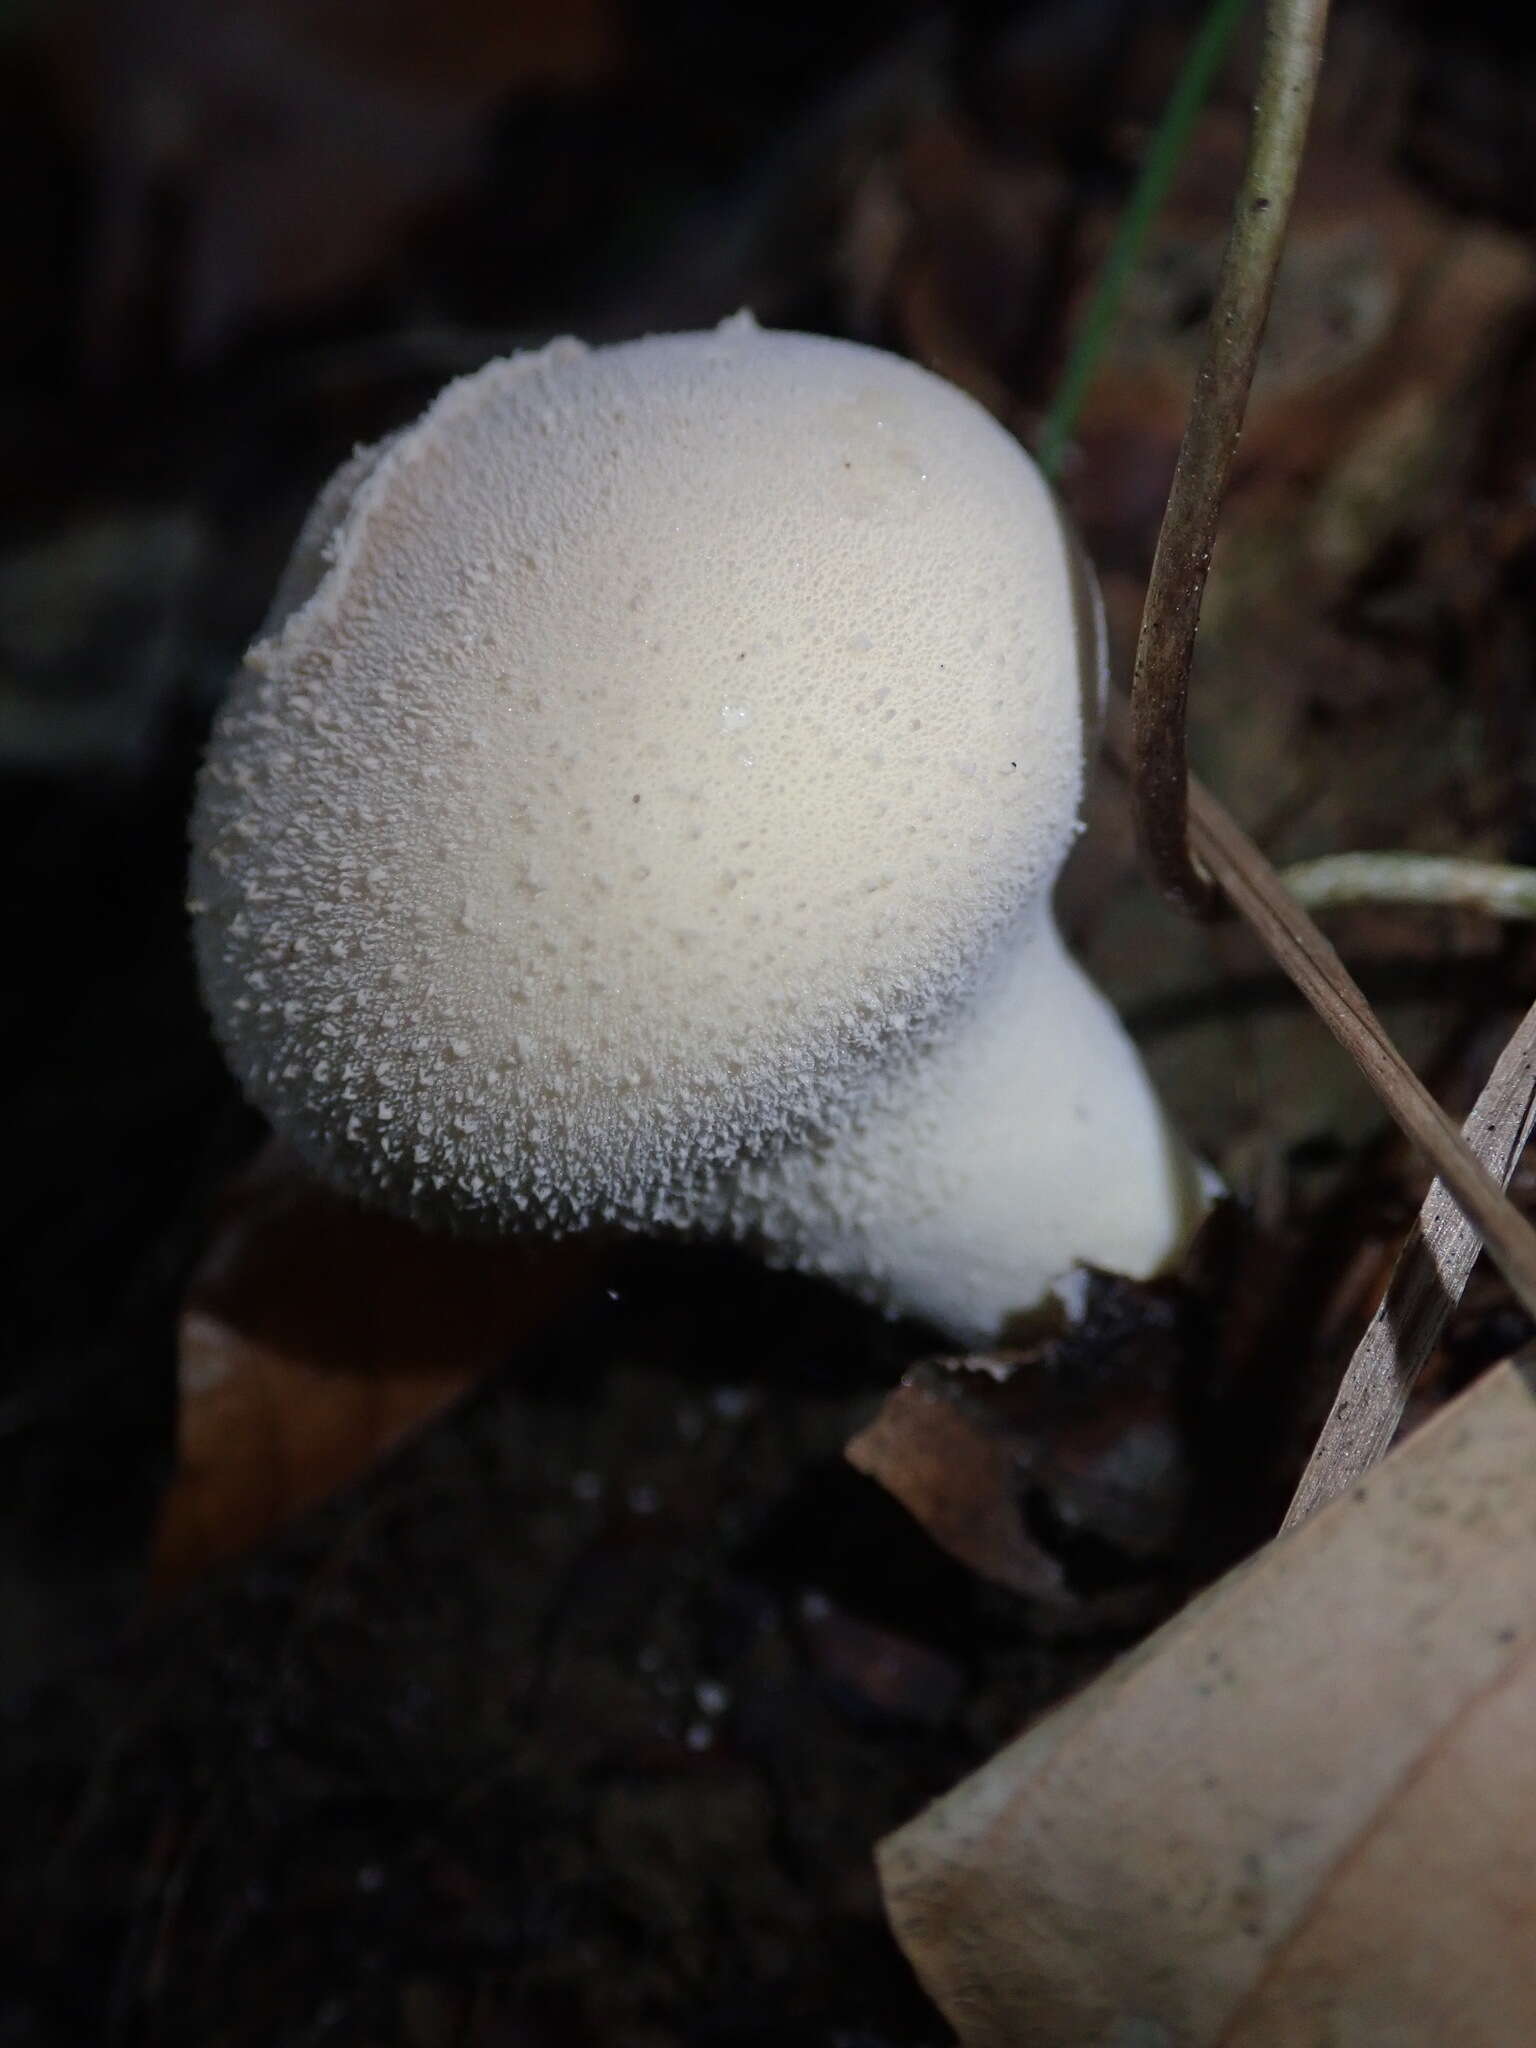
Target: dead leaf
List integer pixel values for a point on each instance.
(1303, 1811)
(881, 1674)
(974, 266)
(292, 142)
(956, 1477)
(1389, 316)
(1059, 1471)
(315, 1337)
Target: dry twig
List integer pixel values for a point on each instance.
(1427, 1281)
(1293, 43)
(1254, 888)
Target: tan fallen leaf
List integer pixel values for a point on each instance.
(1303, 1812)
(315, 1337)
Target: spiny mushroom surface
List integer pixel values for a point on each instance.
(643, 807)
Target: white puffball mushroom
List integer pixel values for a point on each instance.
(643, 807)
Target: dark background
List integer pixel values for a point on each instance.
(434, 1765)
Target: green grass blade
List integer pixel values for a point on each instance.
(1164, 154)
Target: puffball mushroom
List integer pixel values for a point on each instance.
(642, 807)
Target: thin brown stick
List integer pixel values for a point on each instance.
(1293, 46)
(1254, 888)
(1427, 1281)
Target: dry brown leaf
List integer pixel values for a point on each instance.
(292, 142)
(956, 1477)
(877, 1672)
(1388, 316)
(314, 1338)
(1060, 1470)
(969, 273)
(262, 1435)
(1303, 1812)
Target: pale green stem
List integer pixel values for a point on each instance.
(1427, 880)
(1164, 154)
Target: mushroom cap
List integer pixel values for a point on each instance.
(661, 738)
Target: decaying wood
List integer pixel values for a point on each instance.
(1305, 1809)
(1427, 1281)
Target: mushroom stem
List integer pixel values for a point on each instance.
(1025, 1142)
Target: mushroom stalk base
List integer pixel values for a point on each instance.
(1026, 1142)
